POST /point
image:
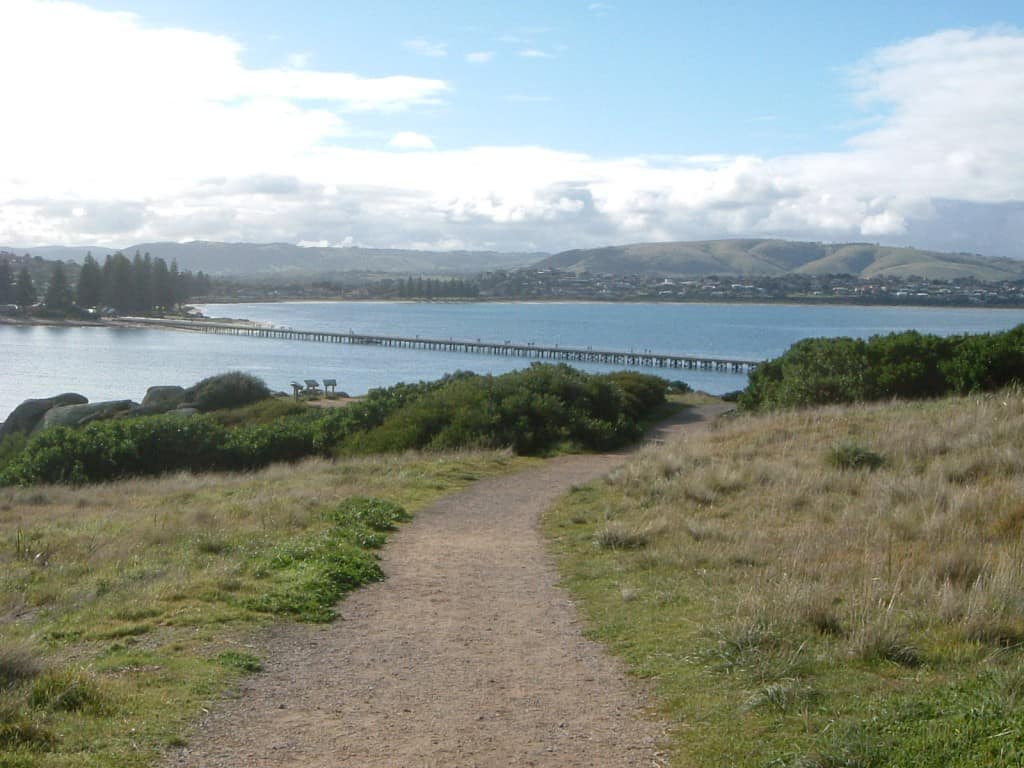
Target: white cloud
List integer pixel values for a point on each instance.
(200, 146)
(427, 48)
(411, 140)
(535, 53)
(480, 57)
(299, 60)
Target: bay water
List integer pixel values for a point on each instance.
(120, 363)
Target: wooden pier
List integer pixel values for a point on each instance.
(644, 359)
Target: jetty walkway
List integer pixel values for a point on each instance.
(643, 359)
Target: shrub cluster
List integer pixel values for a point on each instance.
(907, 365)
(227, 390)
(532, 411)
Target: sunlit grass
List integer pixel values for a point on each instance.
(801, 587)
(127, 607)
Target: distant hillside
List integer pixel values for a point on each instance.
(779, 257)
(293, 261)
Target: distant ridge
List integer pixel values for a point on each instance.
(736, 257)
(781, 257)
(286, 260)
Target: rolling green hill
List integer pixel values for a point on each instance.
(780, 257)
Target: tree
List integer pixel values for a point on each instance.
(89, 292)
(58, 292)
(24, 290)
(163, 285)
(6, 283)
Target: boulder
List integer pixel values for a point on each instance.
(27, 416)
(164, 398)
(185, 410)
(80, 415)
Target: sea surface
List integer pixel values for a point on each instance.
(120, 363)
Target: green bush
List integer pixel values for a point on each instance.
(227, 390)
(532, 411)
(901, 365)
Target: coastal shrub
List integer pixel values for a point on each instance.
(906, 365)
(227, 390)
(532, 411)
(11, 446)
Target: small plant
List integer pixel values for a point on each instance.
(376, 514)
(883, 643)
(16, 665)
(67, 690)
(18, 729)
(853, 456)
(615, 535)
(244, 662)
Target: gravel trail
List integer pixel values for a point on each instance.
(468, 654)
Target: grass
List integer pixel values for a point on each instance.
(125, 608)
(832, 587)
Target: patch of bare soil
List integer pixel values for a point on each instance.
(469, 654)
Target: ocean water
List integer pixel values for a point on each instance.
(116, 363)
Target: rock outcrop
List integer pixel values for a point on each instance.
(80, 415)
(27, 416)
(164, 398)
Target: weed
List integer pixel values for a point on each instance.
(615, 535)
(853, 456)
(68, 690)
(19, 729)
(17, 664)
(244, 662)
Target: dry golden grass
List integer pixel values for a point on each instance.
(935, 535)
(779, 599)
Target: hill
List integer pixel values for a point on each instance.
(781, 257)
(293, 261)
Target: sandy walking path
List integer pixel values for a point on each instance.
(468, 654)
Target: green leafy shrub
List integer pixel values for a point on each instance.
(900, 365)
(227, 390)
(532, 411)
(377, 514)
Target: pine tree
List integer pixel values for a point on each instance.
(6, 283)
(58, 292)
(163, 286)
(24, 290)
(89, 292)
(119, 290)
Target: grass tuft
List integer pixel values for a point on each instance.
(68, 690)
(615, 535)
(853, 456)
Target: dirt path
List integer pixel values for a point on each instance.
(468, 654)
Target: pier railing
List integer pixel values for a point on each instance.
(643, 359)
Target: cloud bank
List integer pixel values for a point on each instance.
(116, 136)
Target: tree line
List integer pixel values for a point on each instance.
(140, 285)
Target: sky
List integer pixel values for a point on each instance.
(527, 126)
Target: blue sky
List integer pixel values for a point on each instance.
(515, 126)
